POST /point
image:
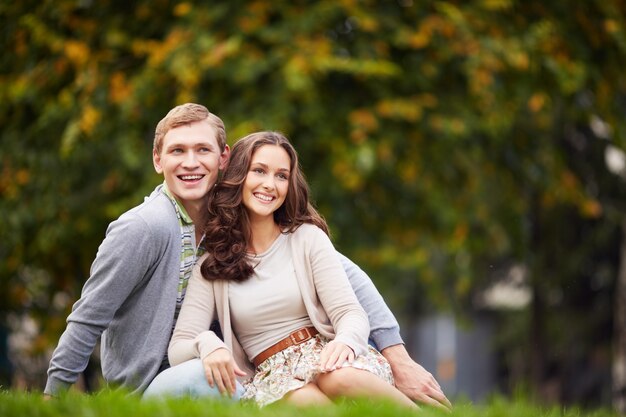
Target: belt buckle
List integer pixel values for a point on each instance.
(300, 336)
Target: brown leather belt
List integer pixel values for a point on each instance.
(295, 338)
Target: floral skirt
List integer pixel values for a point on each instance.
(298, 365)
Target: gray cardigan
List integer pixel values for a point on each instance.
(130, 299)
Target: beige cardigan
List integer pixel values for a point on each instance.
(328, 297)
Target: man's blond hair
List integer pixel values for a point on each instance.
(186, 114)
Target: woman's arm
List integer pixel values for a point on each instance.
(192, 337)
(336, 296)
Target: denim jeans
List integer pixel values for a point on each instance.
(185, 379)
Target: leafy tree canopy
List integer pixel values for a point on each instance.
(440, 138)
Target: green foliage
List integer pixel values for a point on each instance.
(440, 138)
(111, 404)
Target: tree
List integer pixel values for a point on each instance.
(440, 138)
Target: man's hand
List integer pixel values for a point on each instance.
(413, 380)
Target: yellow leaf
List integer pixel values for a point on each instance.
(611, 26)
(419, 40)
(119, 89)
(186, 95)
(347, 175)
(408, 173)
(591, 208)
(182, 9)
(358, 136)
(22, 176)
(254, 17)
(89, 119)
(76, 51)
(365, 119)
(520, 60)
(407, 109)
(536, 102)
(457, 126)
(222, 50)
(497, 4)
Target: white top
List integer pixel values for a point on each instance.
(268, 306)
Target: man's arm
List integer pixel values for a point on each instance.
(410, 377)
(384, 328)
(114, 274)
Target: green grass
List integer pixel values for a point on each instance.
(116, 404)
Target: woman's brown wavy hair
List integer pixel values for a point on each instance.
(228, 232)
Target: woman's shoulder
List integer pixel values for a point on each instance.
(308, 230)
(309, 235)
(196, 271)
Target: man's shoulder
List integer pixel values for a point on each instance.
(155, 213)
(155, 205)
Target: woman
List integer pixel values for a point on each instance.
(272, 278)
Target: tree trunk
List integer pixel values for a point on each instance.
(537, 354)
(537, 340)
(619, 351)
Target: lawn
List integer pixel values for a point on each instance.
(116, 404)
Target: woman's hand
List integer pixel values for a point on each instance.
(334, 355)
(221, 370)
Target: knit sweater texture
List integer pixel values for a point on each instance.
(129, 299)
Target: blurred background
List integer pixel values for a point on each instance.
(469, 155)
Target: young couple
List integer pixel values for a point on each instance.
(267, 272)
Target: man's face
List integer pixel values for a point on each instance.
(190, 160)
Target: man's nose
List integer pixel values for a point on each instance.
(190, 159)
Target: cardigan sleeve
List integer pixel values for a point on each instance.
(336, 296)
(192, 337)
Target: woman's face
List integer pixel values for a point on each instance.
(267, 181)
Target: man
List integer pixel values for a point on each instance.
(139, 277)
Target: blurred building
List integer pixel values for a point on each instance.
(462, 355)
(461, 359)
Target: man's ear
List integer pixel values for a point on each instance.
(156, 160)
(224, 158)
